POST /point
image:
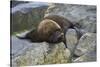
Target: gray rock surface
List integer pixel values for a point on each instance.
(90, 56)
(18, 46)
(86, 43)
(71, 39)
(88, 25)
(26, 53)
(25, 7)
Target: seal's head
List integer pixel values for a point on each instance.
(48, 30)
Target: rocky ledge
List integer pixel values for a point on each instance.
(79, 50)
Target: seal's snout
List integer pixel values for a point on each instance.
(61, 36)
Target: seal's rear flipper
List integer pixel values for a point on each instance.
(22, 35)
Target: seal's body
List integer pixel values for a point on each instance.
(48, 30)
(51, 29)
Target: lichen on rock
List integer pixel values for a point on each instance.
(43, 53)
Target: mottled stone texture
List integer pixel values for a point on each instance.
(41, 53)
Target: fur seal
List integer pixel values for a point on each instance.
(51, 29)
(47, 30)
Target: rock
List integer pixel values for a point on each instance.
(14, 2)
(26, 16)
(88, 25)
(39, 53)
(25, 7)
(25, 53)
(19, 46)
(86, 43)
(90, 56)
(71, 39)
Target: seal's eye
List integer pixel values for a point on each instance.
(58, 29)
